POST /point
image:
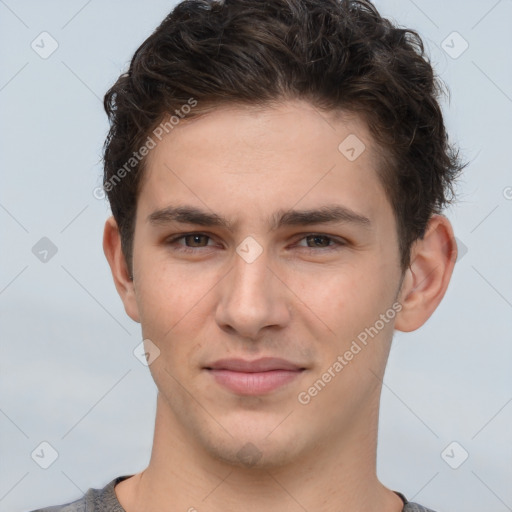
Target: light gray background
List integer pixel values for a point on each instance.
(68, 373)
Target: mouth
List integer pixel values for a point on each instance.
(257, 377)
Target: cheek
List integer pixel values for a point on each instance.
(174, 301)
(165, 289)
(344, 298)
(171, 313)
(164, 302)
(347, 306)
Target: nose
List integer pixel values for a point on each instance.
(253, 299)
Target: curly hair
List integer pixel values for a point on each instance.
(339, 55)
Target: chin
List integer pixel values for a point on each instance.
(252, 455)
(253, 451)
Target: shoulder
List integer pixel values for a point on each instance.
(79, 505)
(414, 507)
(94, 500)
(410, 506)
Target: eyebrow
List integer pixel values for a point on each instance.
(325, 215)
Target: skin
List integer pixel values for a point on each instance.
(302, 299)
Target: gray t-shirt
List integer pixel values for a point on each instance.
(105, 500)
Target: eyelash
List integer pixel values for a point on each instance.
(185, 249)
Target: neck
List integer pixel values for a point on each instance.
(339, 475)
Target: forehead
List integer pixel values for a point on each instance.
(238, 159)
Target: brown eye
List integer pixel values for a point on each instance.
(195, 240)
(189, 242)
(319, 241)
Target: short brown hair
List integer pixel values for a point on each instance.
(339, 55)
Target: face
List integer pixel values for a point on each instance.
(284, 247)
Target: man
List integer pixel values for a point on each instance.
(276, 173)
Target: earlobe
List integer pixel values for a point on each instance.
(120, 272)
(426, 280)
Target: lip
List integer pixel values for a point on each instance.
(263, 364)
(256, 377)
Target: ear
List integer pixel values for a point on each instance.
(426, 280)
(120, 272)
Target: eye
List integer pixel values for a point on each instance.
(195, 239)
(321, 241)
(192, 241)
